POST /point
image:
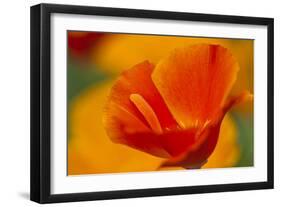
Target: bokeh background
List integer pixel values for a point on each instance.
(96, 59)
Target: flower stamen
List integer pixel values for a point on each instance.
(147, 111)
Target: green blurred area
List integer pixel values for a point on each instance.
(245, 139)
(80, 77)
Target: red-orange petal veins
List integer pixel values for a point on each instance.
(195, 81)
(147, 112)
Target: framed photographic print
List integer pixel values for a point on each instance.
(132, 103)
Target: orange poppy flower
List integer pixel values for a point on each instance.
(174, 110)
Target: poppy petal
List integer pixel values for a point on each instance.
(147, 111)
(195, 81)
(197, 154)
(137, 80)
(135, 106)
(124, 128)
(173, 143)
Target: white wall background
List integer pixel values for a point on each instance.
(14, 101)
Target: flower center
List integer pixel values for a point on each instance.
(147, 111)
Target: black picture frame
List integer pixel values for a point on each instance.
(41, 102)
